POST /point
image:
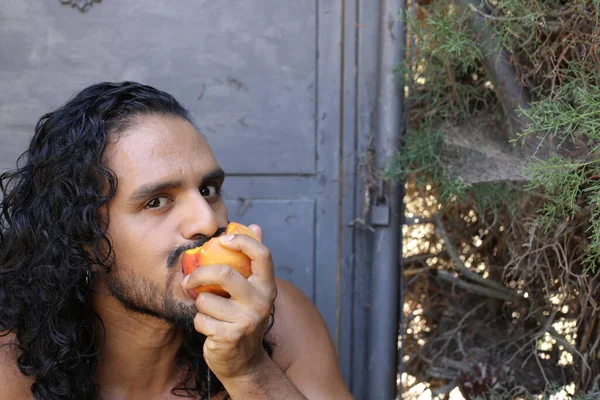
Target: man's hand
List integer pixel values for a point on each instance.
(234, 327)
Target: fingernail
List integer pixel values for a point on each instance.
(186, 279)
(227, 238)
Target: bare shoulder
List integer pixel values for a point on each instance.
(304, 349)
(297, 324)
(15, 385)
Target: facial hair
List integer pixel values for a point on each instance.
(139, 294)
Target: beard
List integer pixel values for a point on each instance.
(140, 295)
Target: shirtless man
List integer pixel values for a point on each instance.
(116, 184)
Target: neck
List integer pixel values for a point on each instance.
(138, 352)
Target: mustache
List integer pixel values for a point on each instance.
(201, 239)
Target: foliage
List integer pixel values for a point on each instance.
(423, 159)
(555, 47)
(494, 269)
(446, 79)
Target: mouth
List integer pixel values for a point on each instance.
(175, 257)
(191, 293)
(187, 271)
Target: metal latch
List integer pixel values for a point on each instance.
(380, 212)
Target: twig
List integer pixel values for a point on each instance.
(503, 75)
(456, 331)
(537, 359)
(473, 276)
(474, 288)
(414, 271)
(491, 17)
(420, 258)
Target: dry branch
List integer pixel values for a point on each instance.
(472, 287)
(512, 95)
(473, 276)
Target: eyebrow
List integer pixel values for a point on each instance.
(150, 189)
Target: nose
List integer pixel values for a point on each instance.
(197, 217)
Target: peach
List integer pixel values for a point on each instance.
(212, 252)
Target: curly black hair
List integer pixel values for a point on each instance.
(51, 235)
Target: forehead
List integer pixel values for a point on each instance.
(157, 148)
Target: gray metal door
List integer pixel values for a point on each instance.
(286, 92)
(262, 79)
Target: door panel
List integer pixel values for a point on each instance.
(292, 244)
(245, 69)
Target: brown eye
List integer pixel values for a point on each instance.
(209, 191)
(157, 202)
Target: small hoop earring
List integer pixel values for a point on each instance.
(88, 276)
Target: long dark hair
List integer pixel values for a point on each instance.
(51, 235)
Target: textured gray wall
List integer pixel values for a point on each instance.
(248, 78)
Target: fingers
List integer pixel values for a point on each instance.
(209, 326)
(262, 263)
(228, 278)
(219, 316)
(234, 327)
(221, 330)
(217, 307)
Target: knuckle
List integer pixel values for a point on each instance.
(198, 322)
(248, 326)
(264, 252)
(200, 299)
(264, 310)
(233, 336)
(226, 272)
(211, 345)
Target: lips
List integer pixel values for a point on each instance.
(192, 293)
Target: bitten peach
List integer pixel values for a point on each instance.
(212, 252)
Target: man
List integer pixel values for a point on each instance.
(114, 187)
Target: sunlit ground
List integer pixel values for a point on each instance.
(416, 241)
(420, 391)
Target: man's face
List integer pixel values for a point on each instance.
(168, 200)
